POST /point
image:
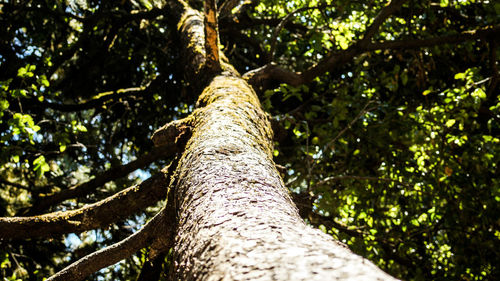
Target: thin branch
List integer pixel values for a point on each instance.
(493, 68)
(101, 98)
(211, 37)
(95, 102)
(79, 270)
(338, 178)
(110, 175)
(335, 59)
(470, 35)
(360, 114)
(97, 215)
(284, 21)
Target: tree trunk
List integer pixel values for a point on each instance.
(236, 219)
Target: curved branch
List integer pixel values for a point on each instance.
(380, 19)
(258, 77)
(157, 227)
(97, 215)
(110, 175)
(331, 60)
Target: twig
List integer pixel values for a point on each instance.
(361, 113)
(282, 23)
(337, 178)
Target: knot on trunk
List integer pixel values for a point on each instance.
(177, 131)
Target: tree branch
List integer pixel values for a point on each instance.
(95, 102)
(341, 58)
(101, 98)
(387, 11)
(97, 215)
(110, 175)
(259, 78)
(211, 37)
(471, 35)
(328, 179)
(494, 68)
(159, 226)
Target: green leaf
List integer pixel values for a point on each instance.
(4, 104)
(479, 93)
(426, 92)
(460, 76)
(14, 158)
(450, 122)
(81, 128)
(21, 72)
(43, 81)
(40, 166)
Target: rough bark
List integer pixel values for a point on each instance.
(236, 219)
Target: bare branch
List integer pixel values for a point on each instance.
(158, 227)
(110, 175)
(97, 215)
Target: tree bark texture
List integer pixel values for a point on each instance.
(236, 219)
